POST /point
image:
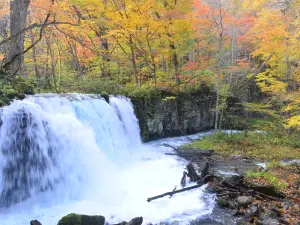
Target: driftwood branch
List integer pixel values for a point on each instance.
(171, 193)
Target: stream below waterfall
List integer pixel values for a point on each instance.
(79, 154)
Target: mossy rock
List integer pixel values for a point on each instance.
(76, 219)
(105, 95)
(23, 85)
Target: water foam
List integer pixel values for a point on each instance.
(79, 154)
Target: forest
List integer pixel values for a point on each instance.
(98, 78)
(136, 47)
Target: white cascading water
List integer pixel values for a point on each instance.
(79, 154)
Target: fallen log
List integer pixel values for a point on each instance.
(198, 153)
(171, 193)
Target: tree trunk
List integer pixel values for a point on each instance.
(52, 57)
(175, 62)
(18, 18)
(36, 69)
(133, 62)
(218, 81)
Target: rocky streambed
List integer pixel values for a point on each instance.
(240, 200)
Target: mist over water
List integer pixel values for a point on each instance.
(79, 154)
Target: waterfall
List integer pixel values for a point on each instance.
(41, 138)
(76, 149)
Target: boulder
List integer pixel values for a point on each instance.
(251, 212)
(76, 219)
(35, 222)
(244, 201)
(222, 202)
(266, 189)
(232, 204)
(234, 179)
(135, 221)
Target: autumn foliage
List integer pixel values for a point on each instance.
(120, 45)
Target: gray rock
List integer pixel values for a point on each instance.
(76, 219)
(35, 222)
(269, 221)
(244, 201)
(252, 211)
(160, 118)
(232, 204)
(222, 201)
(234, 179)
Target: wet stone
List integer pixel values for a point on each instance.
(244, 201)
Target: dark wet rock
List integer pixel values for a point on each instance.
(192, 174)
(283, 221)
(234, 179)
(21, 96)
(219, 216)
(222, 202)
(135, 221)
(232, 204)
(237, 212)
(274, 209)
(232, 165)
(268, 221)
(246, 160)
(35, 222)
(76, 219)
(251, 212)
(105, 96)
(244, 201)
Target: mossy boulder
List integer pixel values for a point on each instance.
(16, 89)
(76, 219)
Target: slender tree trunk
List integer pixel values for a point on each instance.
(175, 62)
(52, 57)
(218, 81)
(133, 60)
(233, 46)
(36, 69)
(18, 18)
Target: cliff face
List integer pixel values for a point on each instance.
(174, 116)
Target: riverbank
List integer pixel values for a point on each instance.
(258, 145)
(258, 195)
